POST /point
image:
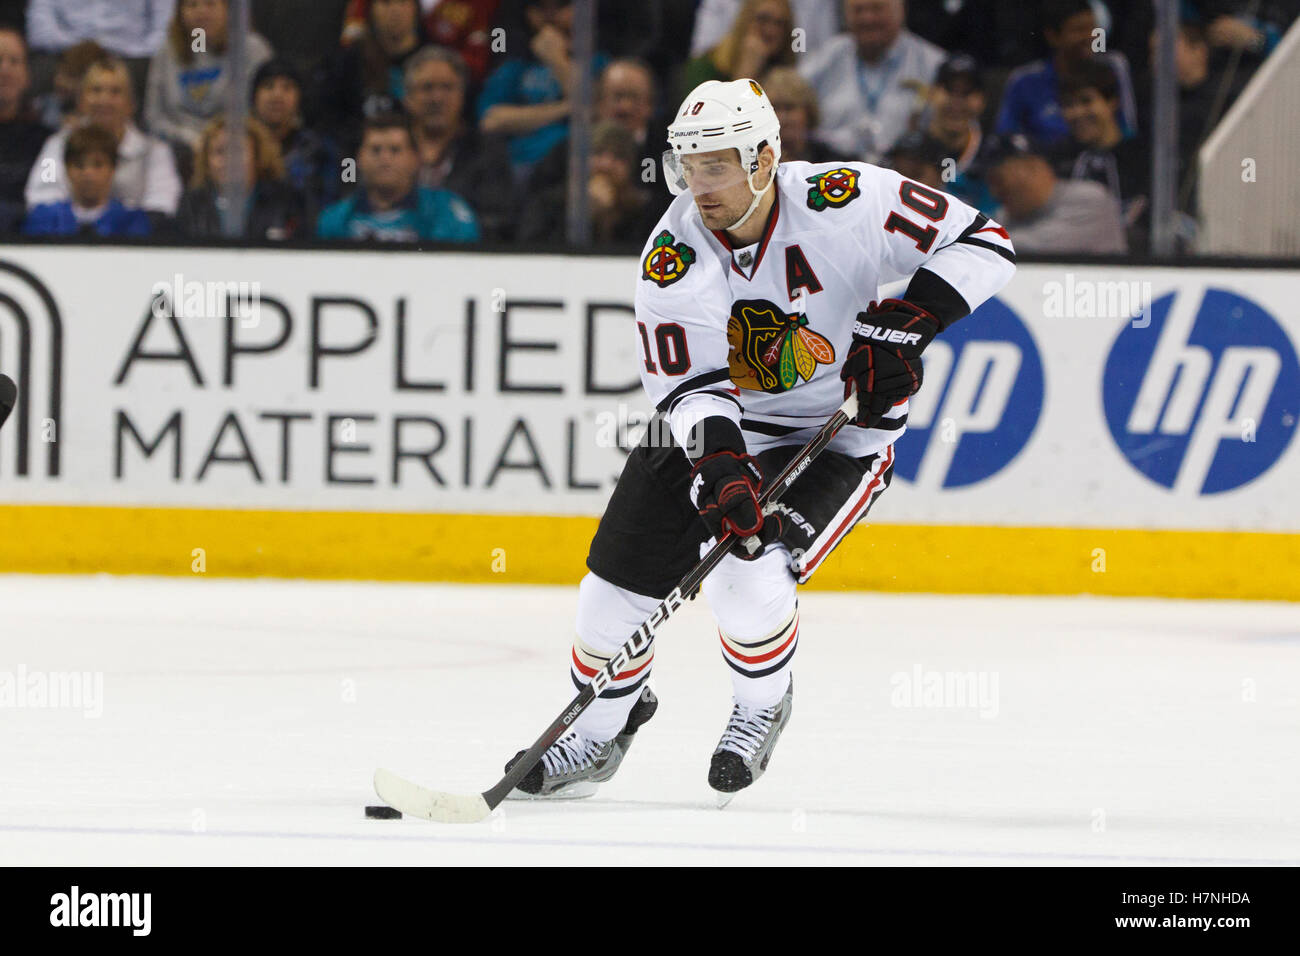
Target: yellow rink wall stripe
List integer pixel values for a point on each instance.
(533, 549)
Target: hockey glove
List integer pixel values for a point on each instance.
(884, 360)
(724, 489)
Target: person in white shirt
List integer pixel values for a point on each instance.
(146, 176)
(129, 28)
(870, 79)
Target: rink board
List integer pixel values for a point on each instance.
(463, 417)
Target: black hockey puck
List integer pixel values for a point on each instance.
(383, 813)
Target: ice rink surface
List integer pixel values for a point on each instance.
(242, 720)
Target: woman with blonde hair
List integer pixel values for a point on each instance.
(275, 209)
(795, 102)
(190, 75)
(759, 39)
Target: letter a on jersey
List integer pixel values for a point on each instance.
(667, 261)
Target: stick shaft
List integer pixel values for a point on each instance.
(667, 607)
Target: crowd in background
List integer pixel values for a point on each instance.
(447, 120)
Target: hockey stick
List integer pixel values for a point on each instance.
(8, 397)
(442, 807)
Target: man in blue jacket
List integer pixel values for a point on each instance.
(389, 205)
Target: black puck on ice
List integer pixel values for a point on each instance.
(383, 813)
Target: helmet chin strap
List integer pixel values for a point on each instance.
(758, 197)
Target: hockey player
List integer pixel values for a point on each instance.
(755, 313)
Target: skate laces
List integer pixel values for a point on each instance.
(570, 753)
(747, 729)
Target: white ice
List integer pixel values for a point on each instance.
(242, 721)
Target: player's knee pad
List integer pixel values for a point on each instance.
(750, 598)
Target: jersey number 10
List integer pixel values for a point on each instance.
(930, 204)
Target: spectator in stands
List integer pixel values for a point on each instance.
(918, 157)
(189, 76)
(90, 157)
(58, 107)
(145, 176)
(1031, 101)
(952, 119)
(21, 135)
(527, 99)
(1044, 214)
(818, 19)
(133, 30)
(128, 28)
(758, 40)
(391, 205)
(311, 162)
(795, 103)
(868, 79)
(625, 94)
(1098, 150)
(365, 79)
(1250, 26)
(453, 154)
(275, 210)
(464, 25)
(621, 209)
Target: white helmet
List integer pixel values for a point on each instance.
(716, 115)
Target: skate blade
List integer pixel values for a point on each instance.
(723, 798)
(576, 791)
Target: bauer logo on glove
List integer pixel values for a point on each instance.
(884, 361)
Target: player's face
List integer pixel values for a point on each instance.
(717, 180)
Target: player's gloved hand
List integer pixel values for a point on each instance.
(884, 361)
(724, 489)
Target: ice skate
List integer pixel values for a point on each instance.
(574, 766)
(746, 746)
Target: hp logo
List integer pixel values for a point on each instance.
(980, 402)
(1206, 398)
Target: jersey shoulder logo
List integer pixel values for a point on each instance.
(771, 349)
(667, 261)
(834, 188)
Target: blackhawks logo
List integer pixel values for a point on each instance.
(839, 187)
(667, 261)
(772, 350)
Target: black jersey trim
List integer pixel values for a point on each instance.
(985, 244)
(690, 385)
(780, 431)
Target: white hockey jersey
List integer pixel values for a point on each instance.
(758, 334)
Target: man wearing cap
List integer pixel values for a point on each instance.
(1047, 214)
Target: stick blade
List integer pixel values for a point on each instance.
(418, 801)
